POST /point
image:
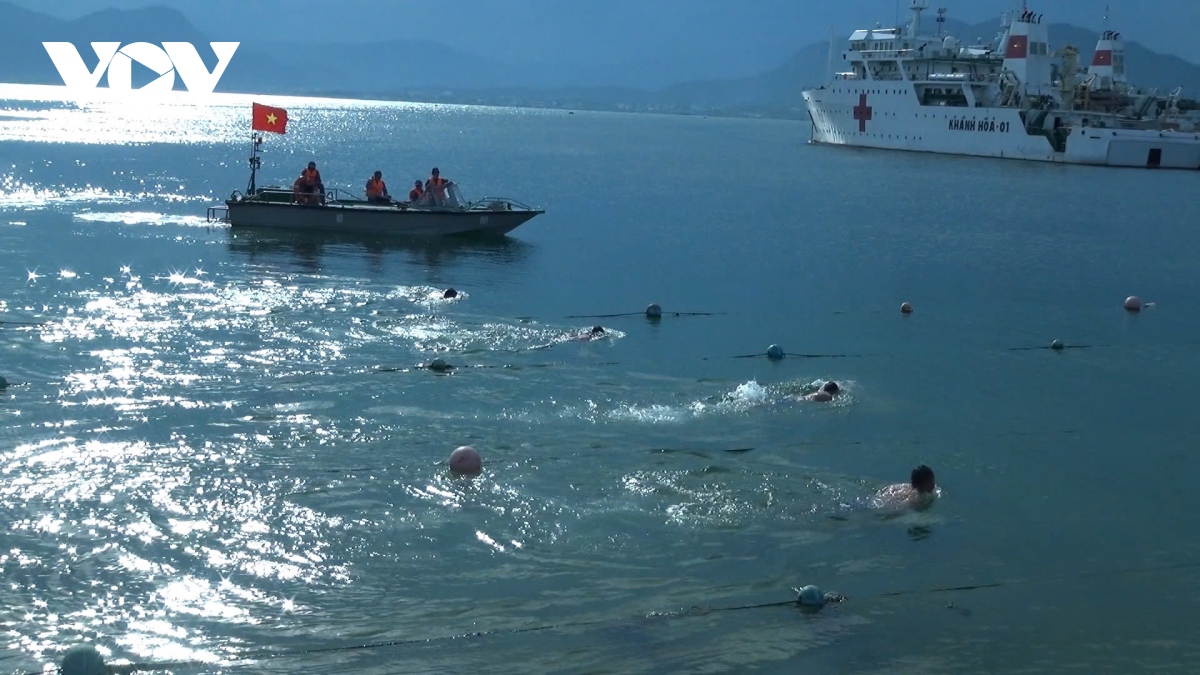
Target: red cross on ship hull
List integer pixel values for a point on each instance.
(863, 113)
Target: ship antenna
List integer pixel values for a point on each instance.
(256, 141)
(829, 64)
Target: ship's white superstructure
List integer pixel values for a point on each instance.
(1012, 98)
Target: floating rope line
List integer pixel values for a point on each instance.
(1056, 346)
(623, 314)
(798, 356)
(1047, 580)
(812, 602)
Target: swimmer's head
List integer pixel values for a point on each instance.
(922, 479)
(831, 388)
(596, 330)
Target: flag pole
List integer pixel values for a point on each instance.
(255, 161)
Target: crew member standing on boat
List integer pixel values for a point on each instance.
(377, 190)
(314, 178)
(417, 193)
(436, 186)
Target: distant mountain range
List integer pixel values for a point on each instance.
(428, 71)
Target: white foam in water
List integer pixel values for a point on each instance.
(751, 392)
(142, 218)
(650, 413)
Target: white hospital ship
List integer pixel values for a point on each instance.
(1013, 98)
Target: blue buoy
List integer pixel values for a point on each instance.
(810, 596)
(3, 383)
(774, 352)
(439, 366)
(83, 660)
(1057, 345)
(653, 311)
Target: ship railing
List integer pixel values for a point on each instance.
(343, 195)
(217, 214)
(499, 204)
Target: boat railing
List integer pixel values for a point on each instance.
(217, 214)
(498, 204)
(343, 195)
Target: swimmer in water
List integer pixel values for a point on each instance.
(826, 393)
(920, 491)
(595, 333)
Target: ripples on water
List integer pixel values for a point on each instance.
(213, 460)
(218, 446)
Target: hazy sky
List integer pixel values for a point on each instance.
(747, 33)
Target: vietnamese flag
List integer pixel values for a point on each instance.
(267, 118)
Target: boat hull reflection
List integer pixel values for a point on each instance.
(310, 248)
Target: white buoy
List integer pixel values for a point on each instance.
(775, 352)
(811, 596)
(905, 308)
(1133, 303)
(653, 311)
(83, 660)
(465, 460)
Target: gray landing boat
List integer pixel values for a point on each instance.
(276, 207)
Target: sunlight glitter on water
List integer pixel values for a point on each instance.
(159, 509)
(52, 114)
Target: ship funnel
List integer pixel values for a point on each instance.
(1027, 54)
(1108, 62)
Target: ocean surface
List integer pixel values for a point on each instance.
(219, 448)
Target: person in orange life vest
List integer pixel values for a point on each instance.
(436, 186)
(303, 190)
(314, 177)
(415, 194)
(377, 190)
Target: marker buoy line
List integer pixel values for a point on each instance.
(643, 313)
(448, 367)
(1057, 345)
(23, 323)
(782, 354)
(808, 598)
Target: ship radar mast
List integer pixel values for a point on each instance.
(914, 28)
(941, 19)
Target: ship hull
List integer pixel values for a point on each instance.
(890, 117)
(375, 220)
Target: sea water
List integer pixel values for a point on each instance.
(219, 446)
